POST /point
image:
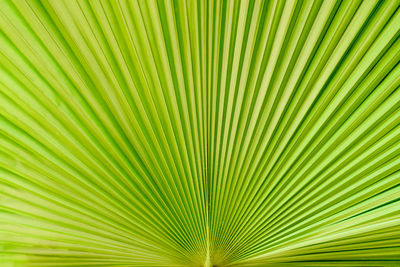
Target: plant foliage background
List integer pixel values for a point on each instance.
(199, 133)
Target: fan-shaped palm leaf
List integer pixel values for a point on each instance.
(199, 133)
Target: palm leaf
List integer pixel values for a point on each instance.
(199, 133)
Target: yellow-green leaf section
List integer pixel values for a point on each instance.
(199, 133)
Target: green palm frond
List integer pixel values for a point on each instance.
(199, 133)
